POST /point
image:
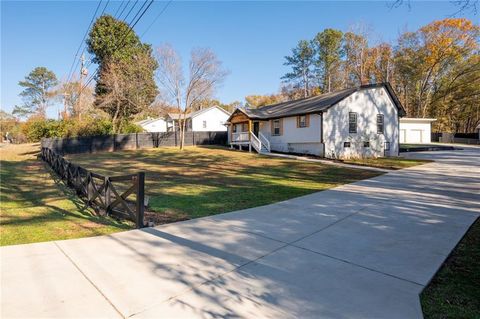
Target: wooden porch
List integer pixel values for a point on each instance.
(242, 133)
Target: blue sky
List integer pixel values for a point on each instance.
(251, 38)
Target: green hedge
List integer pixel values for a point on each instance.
(37, 128)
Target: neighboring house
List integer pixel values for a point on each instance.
(355, 122)
(210, 119)
(153, 125)
(416, 130)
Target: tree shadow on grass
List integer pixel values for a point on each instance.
(28, 184)
(211, 181)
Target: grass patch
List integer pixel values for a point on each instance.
(35, 208)
(201, 181)
(387, 162)
(454, 292)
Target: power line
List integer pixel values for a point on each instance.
(130, 10)
(123, 39)
(118, 8)
(156, 18)
(83, 51)
(70, 74)
(115, 16)
(143, 5)
(103, 11)
(126, 6)
(151, 2)
(128, 24)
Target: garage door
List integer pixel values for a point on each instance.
(414, 136)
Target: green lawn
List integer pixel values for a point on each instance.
(455, 290)
(34, 208)
(196, 182)
(387, 162)
(201, 181)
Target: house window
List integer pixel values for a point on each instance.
(346, 144)
(380, 124)
(352, 122)
(234, 128)
(204, 124)
(366, 144)
(276, 127)
(302, 121)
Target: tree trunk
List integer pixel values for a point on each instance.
(181, 127)
(115, 119)
(305, 84)
(329, 83)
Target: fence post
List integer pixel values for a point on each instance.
(89, 187)
(140, 199)
(108, 199)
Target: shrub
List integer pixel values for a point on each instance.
(131, 128)
(36, 128)
(91, 126)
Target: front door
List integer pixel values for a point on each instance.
(256, 128)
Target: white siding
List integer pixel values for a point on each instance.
(214, 120)
(158, 125)
(304, 140)
(367, 104)
(415, 131)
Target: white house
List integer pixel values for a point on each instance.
(210, 119)
(355, 122)
(154, 125)
(416, 130)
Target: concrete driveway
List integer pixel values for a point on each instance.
(364, 250)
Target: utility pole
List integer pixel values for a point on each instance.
(65, 94)
(83, 73)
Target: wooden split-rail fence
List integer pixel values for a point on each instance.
(110, 195)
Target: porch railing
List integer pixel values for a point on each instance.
(256, 143)
(264, 141)
(239, 137)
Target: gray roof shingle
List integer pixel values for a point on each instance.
(314, 104)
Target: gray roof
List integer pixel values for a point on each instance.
(176, 116)
(146, 121)
(315, 104)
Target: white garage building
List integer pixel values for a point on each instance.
(415, 130)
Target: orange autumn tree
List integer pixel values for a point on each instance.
(425, 57)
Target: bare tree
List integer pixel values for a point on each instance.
(76, 99)
(462, 5)
(124, 90)
(205, 75)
